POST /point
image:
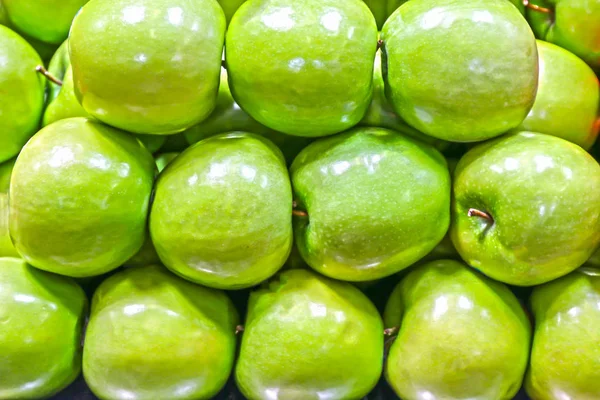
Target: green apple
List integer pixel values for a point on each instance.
(222, 211)
(382, 9)
(376, 202)
(571, 24)
(159, 69)
(460, 71)
(318, 78)
(152, 335)
(526, 208)
(228, 116)
(22, 97)
(61, 102)
(567, 99)
(230, 7)
(42, 317)
(45, 20)
(79, 197)
(309, 337)
(381, 113)
(565, 359)
(460, 335)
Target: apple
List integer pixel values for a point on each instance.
(79, 196)
(567, 99)
(152, 335)
(42, 316)
(460, 335)
(460, 71)
(159, 69)
(309, 337)
(22, 99)
(571, 24)
(228, 116)
(61, 102)
(526, 208)
(45, 20)
(370, 202)
(222, 212)
(565, 358)
(302, 68)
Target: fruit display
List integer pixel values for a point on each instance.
(299, 199)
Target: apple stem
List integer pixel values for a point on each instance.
(239, 329)
(473, 212)
(379, 44)
(298, 213)
(390, 331)
(535, 7)
(48, 75)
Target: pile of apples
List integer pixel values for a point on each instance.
(302, 198)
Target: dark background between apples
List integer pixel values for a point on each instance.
(378, 293)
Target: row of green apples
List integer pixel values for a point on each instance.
(450, 333)
(569, 24)
(318, 78)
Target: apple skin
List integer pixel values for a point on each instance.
(153, 335)
(382, 9)
(461, 335)
(543, 194)
(228, 116)
(230, 7)
(158, 86)
(381, 113)
(429, 92)
(318, 78)
(572, 24)
(45, 20)
(567, 99)
(61, 102)
(7, 249)
(62, 218)
(147, 254)
(594, 260)
(377, 202)
(222, 210)
(42, 317)
(22, 93)
(567, 321)
(309, 337)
